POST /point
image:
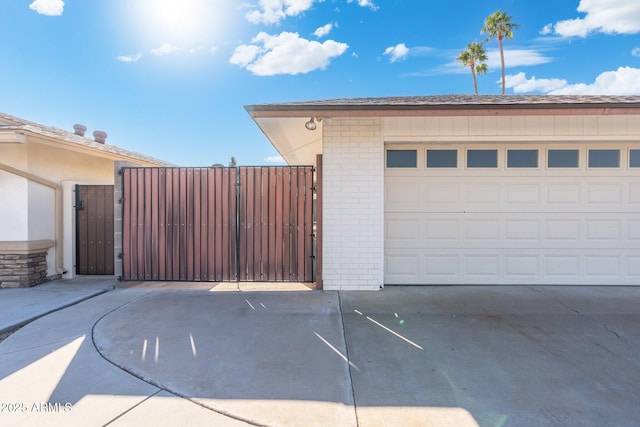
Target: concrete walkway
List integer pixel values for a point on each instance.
(20, 306)
(433, 356)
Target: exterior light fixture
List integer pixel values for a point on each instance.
(311, 124)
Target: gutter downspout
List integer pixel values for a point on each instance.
(57, 212)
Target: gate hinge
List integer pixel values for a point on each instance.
(121, 171)
(121, 200)
(120, 255)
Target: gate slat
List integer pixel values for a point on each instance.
(189, 233)
(278, 237)
(146, 206)
(286, 227)
(308, 224)
(272, 226)
(243, 225)
(300, 223)
(126, 220)
(233, 225)
(211, 224)
(197, 191)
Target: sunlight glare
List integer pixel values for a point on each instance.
(182, 22)
(37, 381)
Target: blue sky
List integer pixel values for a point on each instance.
(169, 78)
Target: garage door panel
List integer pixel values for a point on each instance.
(481, 265)
(513, 226)
(524, 266)
(403, 267)
(486, 230)
(633, 267)
(524, 230)
(610, 194)
(603, 229)
(633, 193)
(511, 194)
(524, 195)
(441, 230)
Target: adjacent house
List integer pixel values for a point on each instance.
(59, 214)
(466, 190)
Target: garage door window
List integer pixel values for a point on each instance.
(402, 158)
(482, 158)
(604, 158)
(442, 158)
(522, 158)
(562, 158)
(634, 158)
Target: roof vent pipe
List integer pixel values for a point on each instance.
(79, 129)
(99, 136)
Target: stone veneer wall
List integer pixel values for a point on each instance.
(23, 270)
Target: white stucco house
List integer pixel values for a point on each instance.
(40, 170)
(464, 190)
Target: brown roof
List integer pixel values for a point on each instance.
(458, 102)
(18, 124)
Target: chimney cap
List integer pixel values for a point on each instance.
(79, 129)
(99, 136)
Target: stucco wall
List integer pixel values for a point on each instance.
(32, 215)
(353, 189)
(14, 195)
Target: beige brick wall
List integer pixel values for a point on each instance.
(353, 190)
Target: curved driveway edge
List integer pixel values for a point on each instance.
(265, 358)
(51, 374)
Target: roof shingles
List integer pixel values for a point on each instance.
(18, 124)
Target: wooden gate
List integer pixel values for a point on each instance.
(94, 229)
(218, 224)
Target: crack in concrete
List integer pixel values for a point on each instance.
(578, 312)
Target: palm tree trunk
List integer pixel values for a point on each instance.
(475, 83)
(500, 37)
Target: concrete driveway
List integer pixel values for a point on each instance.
(432, 356)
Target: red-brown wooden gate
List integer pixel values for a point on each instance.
(218, 224)
(94, 229)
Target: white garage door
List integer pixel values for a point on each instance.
(512, 215)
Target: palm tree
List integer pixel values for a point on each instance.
(499, 26)
(474, 56)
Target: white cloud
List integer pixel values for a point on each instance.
(275, 159)
(604, 16)
(547, 29)
(323, 31)
(516, 58)
(520, 84)
(623, 81)
(635, 51)
(274, 11)
(365, 3)
(165, 49)
(48, 7)
(285, 53)
(397, 52)
(130, 58)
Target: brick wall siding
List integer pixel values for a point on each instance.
(353, 190)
